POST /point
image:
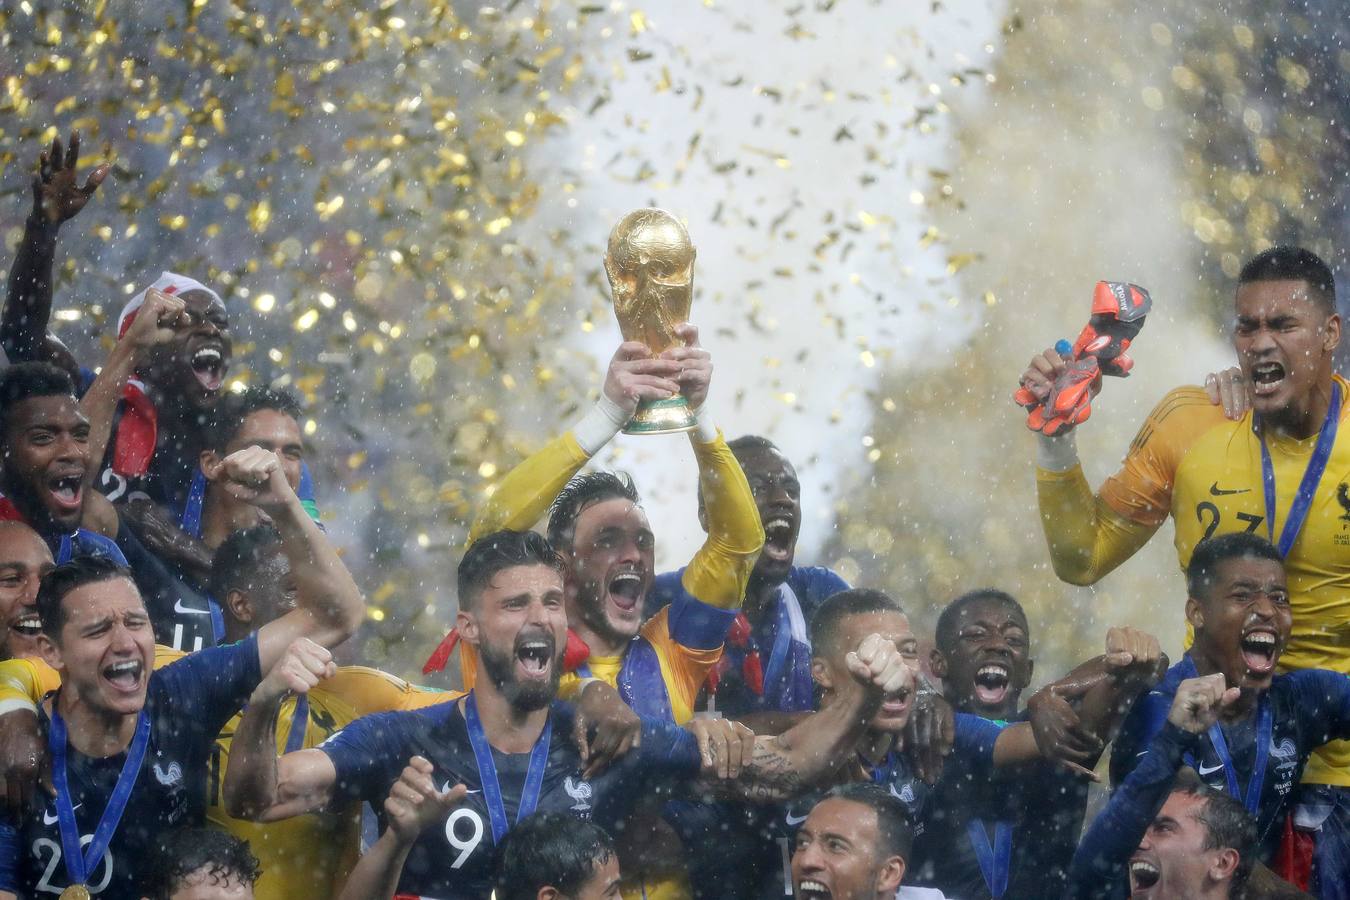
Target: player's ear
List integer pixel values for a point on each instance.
(1331, 332)
(50, 650)
(889, 876)
(1195, 613)
(820, 673)
(1223, 864)
(937, 663)
(208, 461)
(240, 606)
(467, 625)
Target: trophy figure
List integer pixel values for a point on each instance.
(650, 264)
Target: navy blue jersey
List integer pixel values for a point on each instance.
(1043, 806)
(972, 754)
(1308, 708)
(183, 615)
(188, 702)
(455, 859)
(780, 638)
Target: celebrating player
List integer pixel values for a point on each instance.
(130, 745)
(853, 845)
(1259, 728)
(766, 663)
(1278, 471)
(202, 864)
(24, 559)
(1014, 834)
(507, 742)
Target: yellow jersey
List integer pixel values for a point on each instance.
(1192, 463)
(306, 856)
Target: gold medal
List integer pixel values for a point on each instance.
(76, 892)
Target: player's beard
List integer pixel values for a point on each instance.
(501, 668)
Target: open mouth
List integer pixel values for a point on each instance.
(625, 589)
(535, 656)
(28, 624)
(1267, 377)
(991, 683)
(810, 889)
(124, 675)
(208, 364)
(1143, 875)
(778, 539)
(1258, 652)
(67, 491)
(896, 704)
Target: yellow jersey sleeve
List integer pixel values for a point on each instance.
(718, 573)
(369, 691)
(526, 492)
(1089, 535)
(683, 669)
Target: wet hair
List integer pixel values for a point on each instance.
(1226, 822)
(26, 380)
(1293, 264)
(751, 442)
(177, 855)
(580, 492)
(550, 850)
(895, 832)
(496, 552)
(944, 636)
(838, 607)
(240, 556)
(1203, 569)
(233, 409)
(68, 577)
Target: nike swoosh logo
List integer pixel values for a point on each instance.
(1216, 491)
(179, 608)
(52, 820)
(1205, 771)
(794, 820)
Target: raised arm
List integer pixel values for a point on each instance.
(527, 491)
(57, 196)
(718, 573)
(329, 606)
(777, 768)
(258, 785)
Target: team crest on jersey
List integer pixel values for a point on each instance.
(1343, 498)
(170, 777)
(580, 792)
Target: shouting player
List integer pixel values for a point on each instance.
(131, 744)
(507, 744)
(1280, 471)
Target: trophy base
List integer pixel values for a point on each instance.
(670, 416)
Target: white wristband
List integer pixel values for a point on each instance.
(598, 427)
(1058, 453)
(705, 431)
(9, 706)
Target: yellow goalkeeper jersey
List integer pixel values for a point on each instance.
(1204, 470)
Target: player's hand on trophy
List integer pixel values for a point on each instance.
(414, 804)
(255, 476)
(1229, 389)
(634, 375)
(696, 366)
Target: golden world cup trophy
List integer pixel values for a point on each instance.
(650, 264)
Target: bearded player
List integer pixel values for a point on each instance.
(1281, 471)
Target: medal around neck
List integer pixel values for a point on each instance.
(650, 264)
(76, 892)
